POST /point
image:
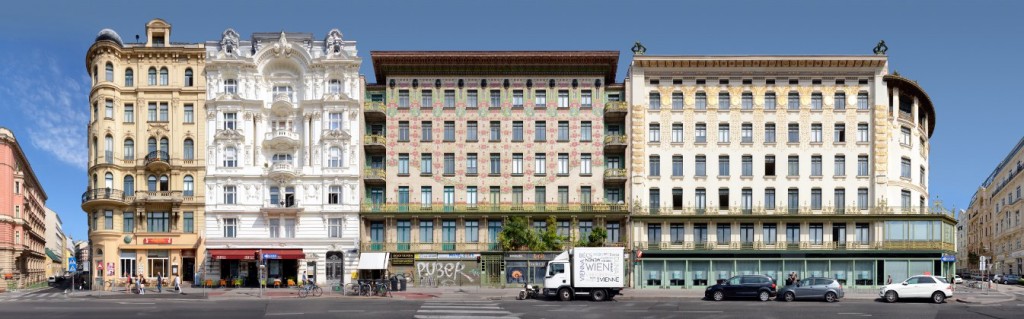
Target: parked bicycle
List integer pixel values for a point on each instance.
(310, 289)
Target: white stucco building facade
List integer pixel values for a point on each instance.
(283, 176)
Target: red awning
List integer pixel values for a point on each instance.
(250, 254)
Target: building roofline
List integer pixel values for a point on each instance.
(485, 63)
(789, 61)
(21, 153)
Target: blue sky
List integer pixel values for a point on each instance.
(965, 55)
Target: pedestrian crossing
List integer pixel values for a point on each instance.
(462, 309)
(33, 296)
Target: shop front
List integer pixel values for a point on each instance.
(240, 267)
(444, 270)
(372, 266)
(863, 270)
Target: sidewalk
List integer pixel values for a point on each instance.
(996, 294)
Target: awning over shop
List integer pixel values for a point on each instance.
(250, 254)
(370, 261)
(53, 256)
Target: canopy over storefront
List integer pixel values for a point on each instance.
(373, 261)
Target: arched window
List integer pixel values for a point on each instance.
(188, 77)
(163, 76)
(152, 76)
(129, 185)
(165, 183)
(188, 149)
(108, 180)
(152, 145)
(189, 184)
(334, 157)
(165, 145)
(151, 183)
(109, 72)
(129, 149)
(334, 87)
(129, 77)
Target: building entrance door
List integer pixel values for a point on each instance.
(188, 269)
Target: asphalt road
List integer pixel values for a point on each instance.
(84, 308)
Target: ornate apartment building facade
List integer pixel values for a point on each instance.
(776, 164)
(459, 141)
(993, 219)
(146, 125)
(22, 217)
(283, 179)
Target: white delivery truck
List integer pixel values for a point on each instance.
(594, 271)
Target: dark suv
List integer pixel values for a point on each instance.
(745, 286)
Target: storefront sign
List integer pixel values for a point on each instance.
(156, 241)
(402, 262)
(403, 255)
(270, 256)
(531, 256)
(445, 256)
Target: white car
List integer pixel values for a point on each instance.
(958, 280)
(936, 288)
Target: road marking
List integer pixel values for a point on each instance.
(346, 310)
(700, 311)
(136, 303)
(286, 314)
(465, 311)
(854, 314)
(459, 317)
(461, 307)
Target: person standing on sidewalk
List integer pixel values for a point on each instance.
(159, 282)
(141, 282)
(889, 281)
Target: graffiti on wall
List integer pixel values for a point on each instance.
(446, 273)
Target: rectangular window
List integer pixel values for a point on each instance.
(127, 222)
(794, 200)
(816, 198)
(334, 227)
(563, 99)
(862, 132)
(839, 101)
(654, 133)
(517, 131)
(495, 163)
(189, 114)
(563, 196)
(700, 200)
(654, 101)
(129, 113)
(817, 233)
(403, 131)
(540, 131)
(747, 133)
(586, 100)
(426, 164)
(700, 233)
(700, 168)
(701, 102)
(229, 194)
(472, 131)
(794, 133)
(164, 111)
(723, 101)
(862, 101)
(794, 101)
(108, 109)
(585, 167)
(563, 164)
(614, 232)
(517, 98)
(540, 99)
(723, 165)
(863, 233)
(540, 164)
(471, 196)
(517, 164)
(816, 101)
(794, 166)
(905, 136)
(230, 227)
(426, 99)
(472, 229)
(677, 101)
(585, 196)
(449, 164)
(151, 114)
(769, 165)
(816, 165)
(495, 131)
(793, 234)
(840, 200)
(840, 169)
(654, 165)
(403, 164)
(449, 99)
(905, 168)
(701, 133)
(839, 133)
(517, 197)
(747, 233)
(862, 198)
(427, 131)
(677, 198)
(449, 131)
(677, 165)
(723, 132)
(495, 99)
(274, 226)
(816, 133)
(472, 100)
(677, 132)
(769, 234)
(748, 101)
(653, 234)
(862, 165)
(426, 196)
(586, 131)
(724, 234)
(563, 131)
(769, 198)
(769, 101)
(748, 165)
(426, 231)
(723, 199)
(471, 164)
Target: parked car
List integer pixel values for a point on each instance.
(1010, 279)
(997, 278)
(827, 289)
(744, 286)
(934, 287)
(51, 279)
(957, 279)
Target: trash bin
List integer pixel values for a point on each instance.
(394, 283)
(403, 282)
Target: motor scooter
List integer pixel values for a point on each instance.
(529, 292)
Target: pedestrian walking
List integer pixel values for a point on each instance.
(159, 282)
(141, 282)
(177, 284)
(789, 279)
(889, 281)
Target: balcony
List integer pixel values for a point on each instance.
(158, 161)
(760, 211)
(492, 208)
(102, 196)
(374, 176)
(374, 142)
(615, 142)
(282, 140)
(615, 175)
(282, 171)
(374, 111)
(159, 196)
(282, 104)
(616, 108)
(428, 247)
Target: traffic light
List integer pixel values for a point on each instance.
(483, 265)
(502, 265)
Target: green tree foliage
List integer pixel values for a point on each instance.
(516, 235)
(597, 237)
(549, 240)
